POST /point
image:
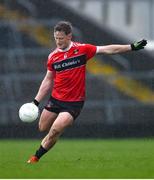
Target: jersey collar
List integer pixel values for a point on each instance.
(68, 48)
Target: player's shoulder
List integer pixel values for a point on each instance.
(54, 52)
(78, 44)
(83, 45)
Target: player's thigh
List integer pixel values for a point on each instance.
(63, 120)
(46, 120)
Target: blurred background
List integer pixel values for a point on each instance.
(120, 88)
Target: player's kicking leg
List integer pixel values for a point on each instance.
(63, 120)
(46, 120)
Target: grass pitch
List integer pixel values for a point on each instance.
(132, 158)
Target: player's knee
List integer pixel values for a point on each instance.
(42, 127)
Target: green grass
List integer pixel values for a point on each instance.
(132, 158)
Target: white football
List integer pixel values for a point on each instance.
(28, 112)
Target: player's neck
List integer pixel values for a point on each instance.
(67, 48)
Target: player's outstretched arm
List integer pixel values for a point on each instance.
(118, 48)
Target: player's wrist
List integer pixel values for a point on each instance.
(36, 102)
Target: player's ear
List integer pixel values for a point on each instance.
(69, 36)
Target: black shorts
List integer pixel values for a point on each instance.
(57, 106)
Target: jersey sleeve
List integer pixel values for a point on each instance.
(90, 51)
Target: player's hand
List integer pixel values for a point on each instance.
(139, 45)
(35, 102)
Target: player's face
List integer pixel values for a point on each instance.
(62, 40)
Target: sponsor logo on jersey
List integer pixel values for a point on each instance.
(70, 63)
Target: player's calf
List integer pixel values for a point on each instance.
(51, 138)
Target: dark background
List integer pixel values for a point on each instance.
(25, 42)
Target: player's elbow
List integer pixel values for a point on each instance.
(104, 49)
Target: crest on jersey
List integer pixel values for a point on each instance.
(65, 55)
(76, 51)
